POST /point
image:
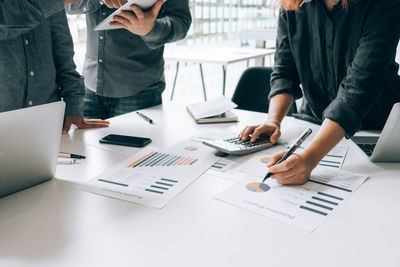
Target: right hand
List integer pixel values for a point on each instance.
(271, 129)
(114, 3)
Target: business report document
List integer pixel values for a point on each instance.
(154, 176)
(305, 206)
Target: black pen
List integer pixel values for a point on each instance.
(70, 155)
(144, 117)
(291, 150)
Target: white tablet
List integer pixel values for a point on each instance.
(105, 24)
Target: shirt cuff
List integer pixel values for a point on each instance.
(339, 112)
(74, 106)
(285, 87)
(153, 35)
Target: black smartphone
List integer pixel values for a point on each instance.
(125, 140)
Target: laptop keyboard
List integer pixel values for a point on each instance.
(367, 148)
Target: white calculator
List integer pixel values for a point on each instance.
(236, 146)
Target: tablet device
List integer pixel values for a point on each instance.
(105, 24)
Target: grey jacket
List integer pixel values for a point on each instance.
(119, 63)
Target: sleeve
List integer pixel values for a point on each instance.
(172, 24)
(20, 16)
(69, 80)
(285, 77)
(83, 7)
(363, 82)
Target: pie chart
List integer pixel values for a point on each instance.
(257, 187)
(265, 160)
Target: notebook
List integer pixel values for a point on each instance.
(213, 111)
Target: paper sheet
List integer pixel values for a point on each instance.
(335, 157)
(305, 206)
(256, 165)
(154, 176)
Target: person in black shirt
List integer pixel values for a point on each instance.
(342, 52)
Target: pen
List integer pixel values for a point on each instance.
(71, 156)
(291, 150)
(144, 117)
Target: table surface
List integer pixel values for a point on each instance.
(55, 224)
(220, 55)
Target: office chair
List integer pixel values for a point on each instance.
(252, 90)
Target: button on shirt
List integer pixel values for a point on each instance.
(36, 67)
(119, 63)
(344, 59)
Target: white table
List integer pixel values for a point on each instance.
(54, 224)
(215, 55)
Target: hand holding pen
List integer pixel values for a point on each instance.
(288, 172)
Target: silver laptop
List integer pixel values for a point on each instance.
(386, 147)
(29, 144)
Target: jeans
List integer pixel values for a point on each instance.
(101, 107)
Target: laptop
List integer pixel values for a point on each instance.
(386, 147)
(29, 144)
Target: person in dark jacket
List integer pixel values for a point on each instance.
(36, 60)
(342, 52)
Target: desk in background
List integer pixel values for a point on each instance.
(214, 55)
(54, 224)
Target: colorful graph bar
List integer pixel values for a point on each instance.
(155, 159)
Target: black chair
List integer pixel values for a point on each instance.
(252, 90)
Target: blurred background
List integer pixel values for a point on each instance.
(216, 23)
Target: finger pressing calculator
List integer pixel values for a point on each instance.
(236, 146)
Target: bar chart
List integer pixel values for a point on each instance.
(157, 159)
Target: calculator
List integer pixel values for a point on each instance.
(236, 146)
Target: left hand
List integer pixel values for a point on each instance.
(138, 22)
(295, 170)
(82, 123)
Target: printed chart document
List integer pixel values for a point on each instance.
(256, 165)
(335, 157)
(154, 176)
(305, 206)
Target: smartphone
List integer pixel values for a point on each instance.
(124, 140)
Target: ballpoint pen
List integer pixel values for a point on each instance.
(70, 155)
(291, 150)
(144, 117)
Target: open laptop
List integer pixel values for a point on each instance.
(386, 147)
(29, 144)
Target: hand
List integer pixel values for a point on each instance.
(138, 22)
(114, 3)
(82, 123)
(295, 170)
(69, 1)
(271, 129)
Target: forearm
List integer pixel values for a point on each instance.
(327, 138)
(171, 25)
(70, 82)
(279, 106)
